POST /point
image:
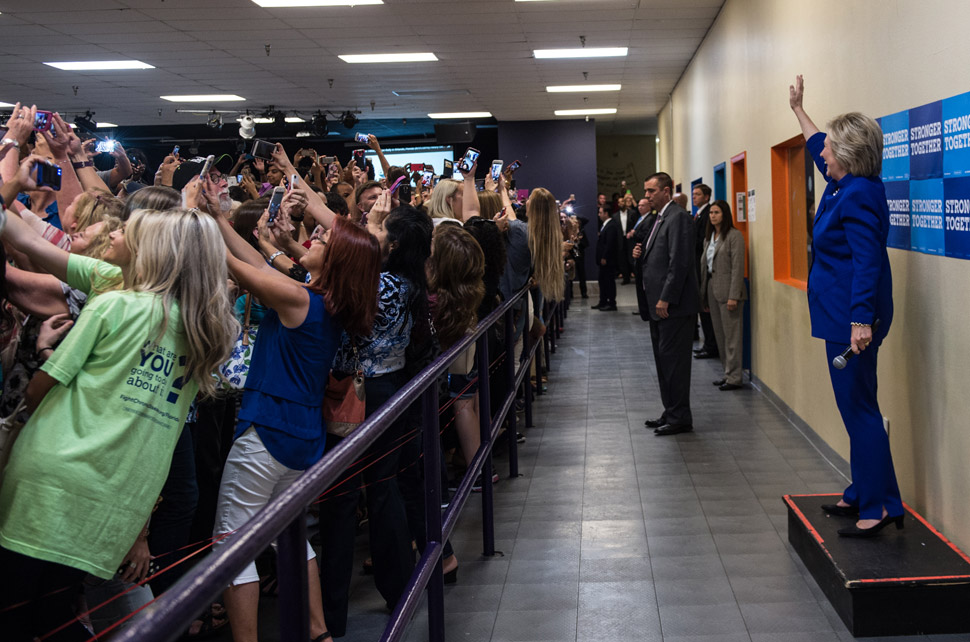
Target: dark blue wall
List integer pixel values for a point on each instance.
(559, 155)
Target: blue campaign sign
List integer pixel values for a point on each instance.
(897, 195)
(895, 146)
(926, 216)
(956, 216)
(926, 141)
(956, 136)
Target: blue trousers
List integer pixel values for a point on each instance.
(873, 484)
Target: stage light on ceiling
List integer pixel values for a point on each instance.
(348, 119)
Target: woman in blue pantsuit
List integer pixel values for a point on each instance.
(849, 290)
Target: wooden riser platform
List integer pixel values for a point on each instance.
(902, 582)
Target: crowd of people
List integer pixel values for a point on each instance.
(124, 297)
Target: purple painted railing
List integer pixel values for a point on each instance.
(284, 519)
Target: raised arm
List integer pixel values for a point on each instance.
(373, 143)
(18, 233)
(503, 191)
(795, 94)
(469, 200)
(19, 126)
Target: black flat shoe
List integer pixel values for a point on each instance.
(855, 531)
(719, 382)
(655, 423)
(840, 511)
(672, 429)
(596, 307)
(704, 354)
(729, 386)
(451, 577)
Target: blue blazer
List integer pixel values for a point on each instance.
(850, 279)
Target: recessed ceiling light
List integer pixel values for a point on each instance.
(584, 112)
(462, 114)
(390, 57)
(581, 52)
(271, 4)
(558, 89)
(100, 65)
(105, 125)
(295, 119)
(203, 98)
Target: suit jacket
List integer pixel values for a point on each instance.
(669, 264)
(850, 280)
(640, 234)
(727, 281)
(607, 244)
(700, 227)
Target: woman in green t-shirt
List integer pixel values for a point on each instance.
(108, 404)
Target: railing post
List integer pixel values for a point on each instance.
(510, 361)
(485, 424)
(526, 362)
(432, 510)
(291, 570)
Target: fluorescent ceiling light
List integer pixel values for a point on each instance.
(100, 65)
(105, 125)
(270, 4)
(203, 98)
(390, 57)
(462, 114)
(295, 119)
(2, 105)
(558, 89)
(583, 52)
(584, 112)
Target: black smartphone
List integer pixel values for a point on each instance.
(359, 156)
(327, 160)
(449, 169)
(263, 149)
(404, 193)
(275, 201)
(47, 174)
(466, 162)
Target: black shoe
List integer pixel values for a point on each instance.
(855, 531)
(840, 511)
(719, 382)
(655, 423)
(672, 429)
(729, 386)
(596, 307)
(704, 354)
(477, 484)
(519, 438)
(584, 295)
(608, 308)
(627, 282)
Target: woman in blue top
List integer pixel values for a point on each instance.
(850, 302)
(279, 433)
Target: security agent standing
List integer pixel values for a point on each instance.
(637, 236)
(670, 286)
(701, 197)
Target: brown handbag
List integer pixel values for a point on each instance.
(343, 401)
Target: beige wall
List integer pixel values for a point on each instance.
(629, 158)
(879, 57)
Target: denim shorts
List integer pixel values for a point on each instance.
(463, 386)
(251, 479)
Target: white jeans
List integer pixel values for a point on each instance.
(251, 479)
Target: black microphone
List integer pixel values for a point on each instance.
(840, 361)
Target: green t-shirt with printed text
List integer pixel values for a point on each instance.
(88, 466)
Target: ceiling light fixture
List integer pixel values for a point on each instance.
(294, 119)
(85, 122)
(202, 98)
(461, 114)
(275, 4)
(105, 125)
(319, 124)
(100, 65)
(348, 119)
(3, 105)
(560, 89)
(389, 57)
(584, 112)
(585, 52)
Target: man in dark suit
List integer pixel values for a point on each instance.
(626, 216)
(607, 249)
(644, 223)
(701, 195)
(670, 285)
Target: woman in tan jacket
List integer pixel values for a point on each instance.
(723, 290)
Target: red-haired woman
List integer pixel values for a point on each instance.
(280, 433)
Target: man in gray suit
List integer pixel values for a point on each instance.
(670, 285)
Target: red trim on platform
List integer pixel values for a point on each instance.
(937, 533)
(911, 579)
(808, 524)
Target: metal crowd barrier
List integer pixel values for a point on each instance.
(284, 520)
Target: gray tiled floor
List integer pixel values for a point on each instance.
(613, 534)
